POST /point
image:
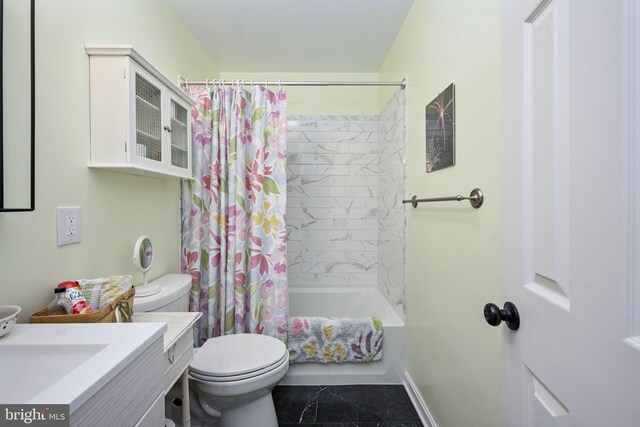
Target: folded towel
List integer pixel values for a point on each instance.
(91, 290)
(334, 339)
(100, 292)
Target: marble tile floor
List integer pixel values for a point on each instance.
(342, 406)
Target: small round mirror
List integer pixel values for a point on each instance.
(143, 256)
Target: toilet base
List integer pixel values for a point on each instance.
(259, 412)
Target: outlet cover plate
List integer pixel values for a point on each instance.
(69, 225)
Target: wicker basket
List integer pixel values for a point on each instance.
(106, 315)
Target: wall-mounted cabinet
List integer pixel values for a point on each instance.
(140, 120)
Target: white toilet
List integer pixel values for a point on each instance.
(231, 376)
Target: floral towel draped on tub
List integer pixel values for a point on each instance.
(233, 212)
(334, 340)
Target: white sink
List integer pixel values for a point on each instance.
(46, 364)
(68, 363)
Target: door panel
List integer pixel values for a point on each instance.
(542, 407)
(570, 212)
(546, 164)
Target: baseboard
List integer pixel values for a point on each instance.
(418, 402)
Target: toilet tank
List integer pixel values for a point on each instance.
(173, 295)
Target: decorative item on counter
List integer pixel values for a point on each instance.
(105, 315)
(60, 304)
(74, 293)
(8, 317)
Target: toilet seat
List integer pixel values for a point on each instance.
(247, 375)
(237, 357)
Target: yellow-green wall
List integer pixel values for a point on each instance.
(334, 100)
(453, 250)
(116, 208)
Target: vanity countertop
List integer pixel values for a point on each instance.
(177, 323)
(67, 363)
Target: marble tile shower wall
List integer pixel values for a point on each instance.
(332, 200)
(392, 220)
(345, 220)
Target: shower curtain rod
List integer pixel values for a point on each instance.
(185, 82)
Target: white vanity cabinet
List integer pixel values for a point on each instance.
(135, 393)
(107, 374)
(178, 350)
(140, 120)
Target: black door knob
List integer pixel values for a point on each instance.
(494, 316)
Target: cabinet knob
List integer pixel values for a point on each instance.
(168, 129)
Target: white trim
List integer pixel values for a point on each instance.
(127, 50)
(633, 286)
(142, 171)
(418, 402)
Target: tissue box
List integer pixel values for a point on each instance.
(106, 315)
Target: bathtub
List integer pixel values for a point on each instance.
(350, 302)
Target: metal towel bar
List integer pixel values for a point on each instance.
(475, 198)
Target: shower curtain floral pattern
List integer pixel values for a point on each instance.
(233, 212)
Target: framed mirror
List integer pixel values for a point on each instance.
(17, 106)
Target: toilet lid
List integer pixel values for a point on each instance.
(232, 378)
(239, 354)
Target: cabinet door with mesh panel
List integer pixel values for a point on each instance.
(180, 148)
(147, 112)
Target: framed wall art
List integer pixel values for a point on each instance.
(440, 130)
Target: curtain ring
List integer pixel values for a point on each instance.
(280, 84)
(252, 83)
(206, 83)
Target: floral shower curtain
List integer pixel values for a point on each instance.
(233, 212)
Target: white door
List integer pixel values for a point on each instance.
(571, 208)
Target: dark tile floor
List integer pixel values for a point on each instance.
(342, 406)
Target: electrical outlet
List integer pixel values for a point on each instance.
(68, 225)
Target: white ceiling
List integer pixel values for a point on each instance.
(295, 35)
